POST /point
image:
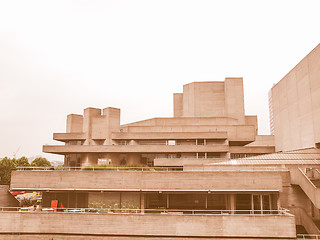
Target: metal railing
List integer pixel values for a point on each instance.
(94, 168)
(279, 212)
(308, 236)
(156, 169)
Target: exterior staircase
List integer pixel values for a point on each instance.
(311, 187)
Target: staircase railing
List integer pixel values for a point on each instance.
(298, 177)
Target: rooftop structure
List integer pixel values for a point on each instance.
(209, 124)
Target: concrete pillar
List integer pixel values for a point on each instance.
(177, 104)
(89, 159)
(133, 159)
(74, 123)
(234, 99)
(142, 202)
(88, 114)
(133, 142)
(232, 203)
(112, 121)
(206, 203)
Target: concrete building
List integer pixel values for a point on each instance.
(295, 105)
(209, 125)
(202, 174)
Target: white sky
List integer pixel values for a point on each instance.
(59, 57)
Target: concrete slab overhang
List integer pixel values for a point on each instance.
(65, 149)
(176, 191)
(65, 137)
(260, 150)
(169, 135)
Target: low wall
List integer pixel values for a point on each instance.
(153, 181)
(162, 225)
(86, 237)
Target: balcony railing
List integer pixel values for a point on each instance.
(155, 169)
(308, 236)
(96, 168)
(279, 212)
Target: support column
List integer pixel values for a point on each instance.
(261, 203)
(142, 202)
(232, 201)
(206, 201)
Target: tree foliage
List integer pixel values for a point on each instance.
(7, 165)
(41, 162)
(22, 162)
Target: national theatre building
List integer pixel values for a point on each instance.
(204, 173)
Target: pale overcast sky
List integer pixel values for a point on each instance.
(59, 57)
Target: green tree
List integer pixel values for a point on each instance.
(41, 162)
(22, 162)
(6, 166)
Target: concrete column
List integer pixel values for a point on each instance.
(142, 202)
(88, 114)
(177, 104)
(232, 203)
(133, 158)
(112, 116)
(89, 159)
(74, 123)
(133, 142)
(234, 99)
(206, 201)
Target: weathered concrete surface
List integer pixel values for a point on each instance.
(296, 105)
(138, 180)
(299, 178)
(87, 237)
(149, 225)
(6, 199)
(63, 149)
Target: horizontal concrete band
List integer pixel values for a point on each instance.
(63, 149)
(137, 180)
(149, 225)
(69, 236)
(147, 190)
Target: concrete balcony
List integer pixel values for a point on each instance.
(63, 149)
(172, 162)
(238, 133)
(169, 135)
(64, 137)
(260, 150)
(148, 225)
(147, 181)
